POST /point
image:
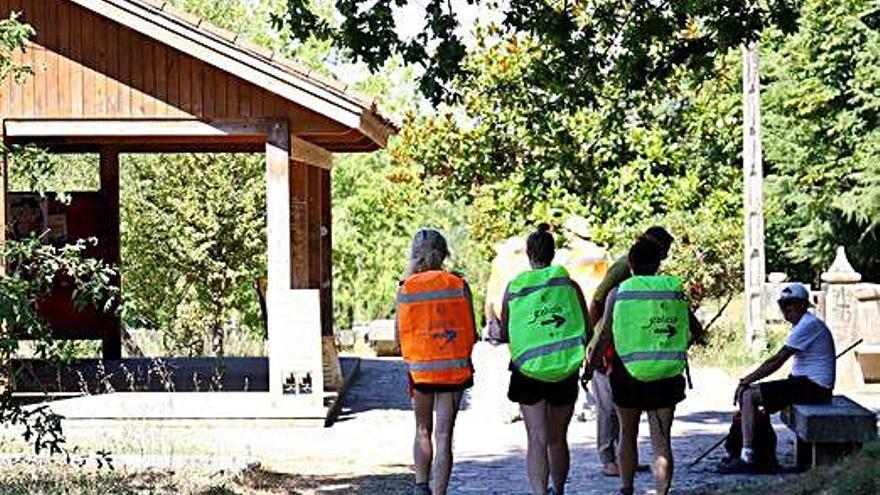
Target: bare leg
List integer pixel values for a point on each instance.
(447, 404)
(537, 464)
(660, 422)
(558, 419)
(607, 426)
(629, 436)
(423, 450)
(748, 404)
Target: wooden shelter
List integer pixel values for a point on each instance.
(132, 76)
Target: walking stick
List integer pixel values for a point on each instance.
(719, 442)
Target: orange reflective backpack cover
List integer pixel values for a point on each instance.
(436, 328)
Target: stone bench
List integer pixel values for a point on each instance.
(826, 432)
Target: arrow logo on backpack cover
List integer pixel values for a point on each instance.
(557, 319)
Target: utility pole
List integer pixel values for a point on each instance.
(753, 199)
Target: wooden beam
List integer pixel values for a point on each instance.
(55, 128)
(310, 154)
(112, 338)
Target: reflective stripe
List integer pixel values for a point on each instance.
(560, 281)
(547, 349)
(654, 356)
(439, 365)
(648, 294)
(430, 296)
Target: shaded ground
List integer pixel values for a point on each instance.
(369, 450)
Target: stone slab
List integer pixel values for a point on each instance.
(842, 421)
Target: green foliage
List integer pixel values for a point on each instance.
(194, 243)
(518, 161)
(587, 46)
(34, 169)
(822, 141)
(33, 269)
(13, 35)
(378, 206)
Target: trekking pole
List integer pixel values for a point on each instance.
(849, 348)
(719, 442)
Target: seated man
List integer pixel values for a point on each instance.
(812, 374)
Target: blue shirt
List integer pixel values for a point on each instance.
(814, 350)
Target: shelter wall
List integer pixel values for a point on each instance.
(86, 66)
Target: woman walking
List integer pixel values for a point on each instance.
(544, 319)
(649, 323)
(436, 332)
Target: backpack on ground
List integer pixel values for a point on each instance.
(763, 445)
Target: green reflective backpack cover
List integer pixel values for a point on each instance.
(650, 327)
(546, 324)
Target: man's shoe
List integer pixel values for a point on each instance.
(611, 469)
(421, 489)
(642, 468)
(734, 466)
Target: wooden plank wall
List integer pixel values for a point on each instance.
(87, 66)
(311, 236)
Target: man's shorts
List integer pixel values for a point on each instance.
(779, 394)
(529, 391)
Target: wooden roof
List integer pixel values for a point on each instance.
(249, 62)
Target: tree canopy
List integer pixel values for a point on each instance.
(586, 47)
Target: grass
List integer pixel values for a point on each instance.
(58, 479)
(726, 347)
(855, 475)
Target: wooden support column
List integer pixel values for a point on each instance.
(326, 255)
(112, 338)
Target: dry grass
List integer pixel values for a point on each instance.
(52, 479)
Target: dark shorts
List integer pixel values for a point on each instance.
(433, 388)
(778, 394)
(529, 391)
(630, 393)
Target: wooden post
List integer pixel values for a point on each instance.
(112, 339)
(753, 199)
(294, 315)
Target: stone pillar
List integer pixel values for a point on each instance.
(753, 200)
(841, 282)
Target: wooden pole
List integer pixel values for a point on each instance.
(753, 199)
(112, 339)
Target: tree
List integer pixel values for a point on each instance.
(193, 248)
(586, 46)
(31, 270)
(822, 141)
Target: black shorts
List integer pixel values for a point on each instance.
(779, 394)
(434, 388)
(529, 391)
(630, 393)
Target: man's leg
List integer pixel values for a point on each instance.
(629, 436)
(423, 450)
(660, 422)
(537, 463)
(558, 419)
(748, 403)
(447, 405)
(607, 425)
